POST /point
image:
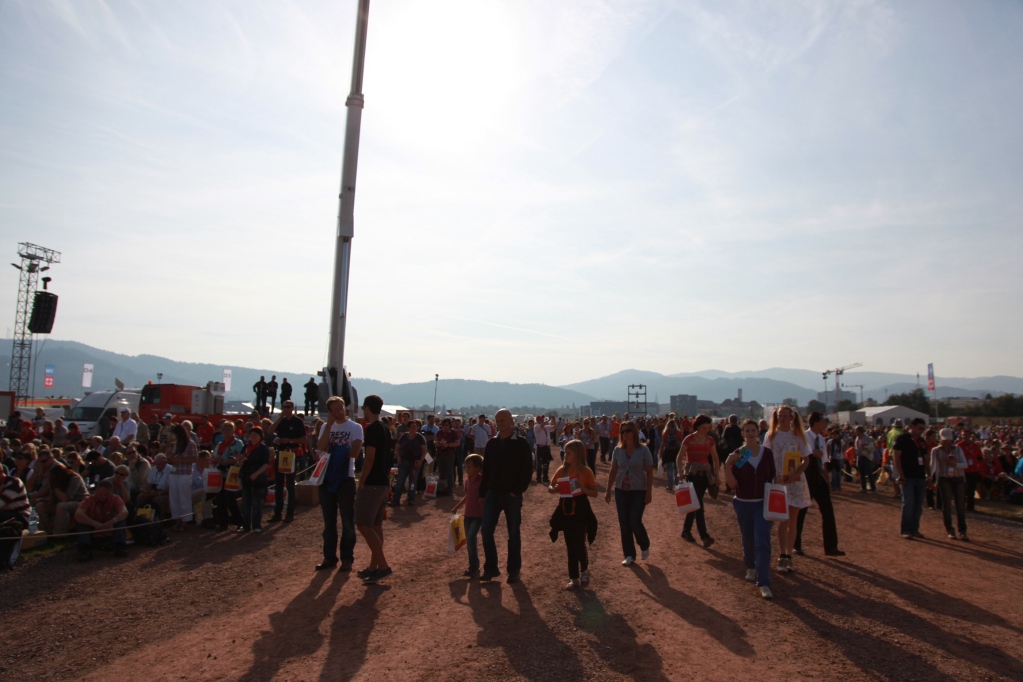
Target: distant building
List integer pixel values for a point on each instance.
(828, 397)
(619, 407)
(960, 403)
(683, 404)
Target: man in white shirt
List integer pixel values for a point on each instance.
(126, 428)
(480, 433)
(543, 432)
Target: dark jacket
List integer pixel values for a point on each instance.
(582, 512)
(507, 466)
(259, 456)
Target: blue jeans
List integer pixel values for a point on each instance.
(836, 477)
(408, 471)
(511, 505)
(671, 471)
(913, 491)
(631, 504)
(252, 506)
(472, 529)
(343, 502)
(756, 538)
(118, 535)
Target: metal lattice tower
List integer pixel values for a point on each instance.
(34, 259)
(637, 397)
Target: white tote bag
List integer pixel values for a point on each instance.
(685, 498)
(320, 472)
(776, 502)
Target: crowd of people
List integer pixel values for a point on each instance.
(144, 476)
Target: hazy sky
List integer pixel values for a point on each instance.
(548, 191)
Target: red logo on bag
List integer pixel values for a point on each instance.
(683, 497)
(319, 467)
(776, 502)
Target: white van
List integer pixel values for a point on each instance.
(97, 406)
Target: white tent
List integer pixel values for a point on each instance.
(393, 410)
(886, 414)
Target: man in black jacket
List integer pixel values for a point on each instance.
(820, 491)
(507, 471)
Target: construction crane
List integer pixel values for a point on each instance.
(838, 372)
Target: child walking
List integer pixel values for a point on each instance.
(574, 517)
(473, 467)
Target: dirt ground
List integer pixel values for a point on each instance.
(223, 606)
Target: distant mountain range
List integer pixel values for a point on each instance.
(765, 386)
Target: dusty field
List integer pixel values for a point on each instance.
(219, 606)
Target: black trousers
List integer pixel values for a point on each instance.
(972, 481)
(575, 543)
(701, 485)
(820, 492)
(543, 462)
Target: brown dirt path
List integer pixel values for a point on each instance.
(215, 606)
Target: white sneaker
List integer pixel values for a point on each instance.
(627, 561)
(645, 554)
(572, 584)
(765, 592)
(751, 575)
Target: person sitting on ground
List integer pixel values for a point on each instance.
(74, 434)
(73, 461)
(97, 467)
(114, 450)
(156, 491)
(121, 486)
(138, 469)
(38, 483)
(100, 514)
(23, 459)
(14, 510)
(67, 490)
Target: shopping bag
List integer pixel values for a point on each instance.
(792, 460)
(685, 498)
(213, 480)
(320, 472)
(270, 499)
(286, 462)
(660, 468)
(144, 514)
(456, 533)
(233, 482)
(431, 486)
(568, 486)
(776, 502)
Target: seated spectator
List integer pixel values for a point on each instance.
(47, 433)
(67, 489)
(97, 467)
(121, 487)
(23, 463)
(74, 434)
(101, 514)
(73, 461)
(14, 511)
(59, 433)
(138, 469)
(156, 491)
(38, 484)
(114, 450)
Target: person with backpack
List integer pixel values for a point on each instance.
(671, 444)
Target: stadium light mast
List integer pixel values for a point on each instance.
(34, 260)
(346, 214)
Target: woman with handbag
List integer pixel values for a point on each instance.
(787, 440)
(747, 471)
(699, 454)
(632, 478)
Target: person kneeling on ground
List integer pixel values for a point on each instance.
(100, 514)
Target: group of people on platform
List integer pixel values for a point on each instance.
(96, 487)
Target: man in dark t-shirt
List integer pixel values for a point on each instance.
(910, 472)
(289, 434)
(371, 493)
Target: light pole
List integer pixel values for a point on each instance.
(436, 380)
(159, 377)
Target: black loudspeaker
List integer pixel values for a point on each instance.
(44, 309)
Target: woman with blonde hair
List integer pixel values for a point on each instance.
(574, 517)
(787, 440)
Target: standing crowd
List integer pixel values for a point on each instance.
(101, 488)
